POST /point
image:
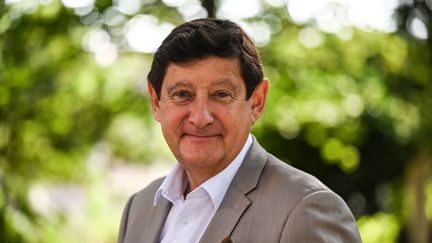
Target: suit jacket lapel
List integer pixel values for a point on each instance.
(235, 201)
(226, 217)
(156, 221)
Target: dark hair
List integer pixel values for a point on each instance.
(202, 38)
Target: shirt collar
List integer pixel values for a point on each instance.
(174, 185)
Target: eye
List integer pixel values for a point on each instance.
(181, 96)
(223, 96)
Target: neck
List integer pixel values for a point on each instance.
(197, 176)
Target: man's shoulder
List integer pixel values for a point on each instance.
(296, 201)
(280, 177)
(292, 174)
(276, 177)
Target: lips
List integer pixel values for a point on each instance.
(201, 137)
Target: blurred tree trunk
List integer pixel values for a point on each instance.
(210, 6)
(418, 226)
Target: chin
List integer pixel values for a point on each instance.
(201, 161)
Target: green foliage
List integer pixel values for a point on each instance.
(379, 228)
(56, 105)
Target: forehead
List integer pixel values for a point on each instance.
(210, 71)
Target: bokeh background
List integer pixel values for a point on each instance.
(350, 102)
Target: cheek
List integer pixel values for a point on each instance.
(171, 118)
(245, 112)
(238, 117)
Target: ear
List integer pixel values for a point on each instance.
(259, 97)
(154, 100)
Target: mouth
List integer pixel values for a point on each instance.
(201, 137)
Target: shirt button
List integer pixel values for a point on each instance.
(184, 221)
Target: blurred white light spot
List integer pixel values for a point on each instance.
(353, 105)
(192, 9)
(45, 2)
(288, 126)
(173, 3)
(82, 11)
(310, 38)
(39, 199)
(331, 18)
(96, 41)
(99, 43)
(372, 14)
(417, 28)
(201, 13)
(77, 3)
(276, 3)
(327, 113)
(91, 18)
(129, 7)
(238, 9)
(302, 11)
(145, 34)
(107, 56)
(113, 17)
(345, 33)
(259, 31)
(274, 22)
(7, 2)
(22, 7)
(331, 15)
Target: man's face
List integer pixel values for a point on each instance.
(204, 114)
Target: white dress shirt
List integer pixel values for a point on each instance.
(189, 218)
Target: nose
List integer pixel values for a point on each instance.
(200, 114)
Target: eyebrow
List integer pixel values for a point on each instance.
(225, 82)
(187, 84)
(178, 84)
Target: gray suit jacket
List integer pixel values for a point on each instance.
(268, 201)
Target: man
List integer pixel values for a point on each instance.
(207, 89)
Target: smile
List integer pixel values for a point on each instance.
(201, 138)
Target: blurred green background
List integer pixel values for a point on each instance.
(350, 102)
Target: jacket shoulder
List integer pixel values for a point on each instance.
(294, 177)
(281, 174)
(136, 213)
(284, 185)
(147, 194)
